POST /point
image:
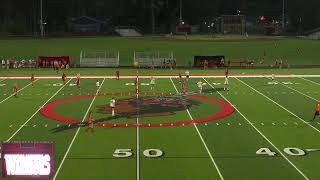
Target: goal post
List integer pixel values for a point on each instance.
(150, 59)
(98, 58)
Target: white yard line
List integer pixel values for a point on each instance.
(36, 112)
(138, 141)
(18, 91)
(138, 150)
(204, 143)
(297, 91)
(76, 134)
(279, 105)
(310, 81)
(261, 133)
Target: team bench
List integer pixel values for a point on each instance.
(247, 63)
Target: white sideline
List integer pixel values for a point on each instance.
(279, 105)
(165, 76)
(260, 132)
(309, 80)
(204, 143)
(76, 134)
(297, 91)
(18, 91)
(37, 111)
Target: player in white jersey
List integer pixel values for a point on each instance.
(152, 83)
(98, 84)
(226, 80)
(273, 76)
(226, 84)
(112, 106)
(187, 74)
(200, 84)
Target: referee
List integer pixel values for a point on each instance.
(317, 113)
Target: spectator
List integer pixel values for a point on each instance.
(8, 63)
(3, 62)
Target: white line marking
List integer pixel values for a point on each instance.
(279, 105)
(36, 112)
(18, 91)
(309, 80)
(262, 134)
(296, 91)
(312, 150)
(205, 145)
(166, 76)
(75, 135)
(138, 140)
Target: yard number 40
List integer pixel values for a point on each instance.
(290, 151)
(125, 153)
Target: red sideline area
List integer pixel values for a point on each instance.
(225, 110)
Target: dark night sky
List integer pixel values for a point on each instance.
(26, 13)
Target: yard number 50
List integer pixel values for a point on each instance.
(125, 153)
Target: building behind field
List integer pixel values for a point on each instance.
(232, 24)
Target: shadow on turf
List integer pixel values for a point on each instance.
(83, 124)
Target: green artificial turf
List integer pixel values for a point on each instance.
(267, 115)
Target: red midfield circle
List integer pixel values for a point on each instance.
(225, 110)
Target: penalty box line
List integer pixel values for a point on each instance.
(204, 143)
(309, 81)
(76, 134)
(36, 112)
(296, 91)
(316, 129)
(17, 92)
(291, 163)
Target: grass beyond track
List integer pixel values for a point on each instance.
(296, 51)
(274, 115)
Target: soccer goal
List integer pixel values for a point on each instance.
(99, 59)
(153, 59)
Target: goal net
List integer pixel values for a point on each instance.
(99, 59)
(152, 59)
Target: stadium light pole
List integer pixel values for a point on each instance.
(283, 15)
(180, 18)
(41, 19)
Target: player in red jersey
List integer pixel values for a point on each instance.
(205, 64)
(183, 88)
(32, 79)
(117, 75)
(63, 77)
(90, 123)
(78, 81)
(15, 89)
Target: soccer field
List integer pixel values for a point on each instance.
(260, 129)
